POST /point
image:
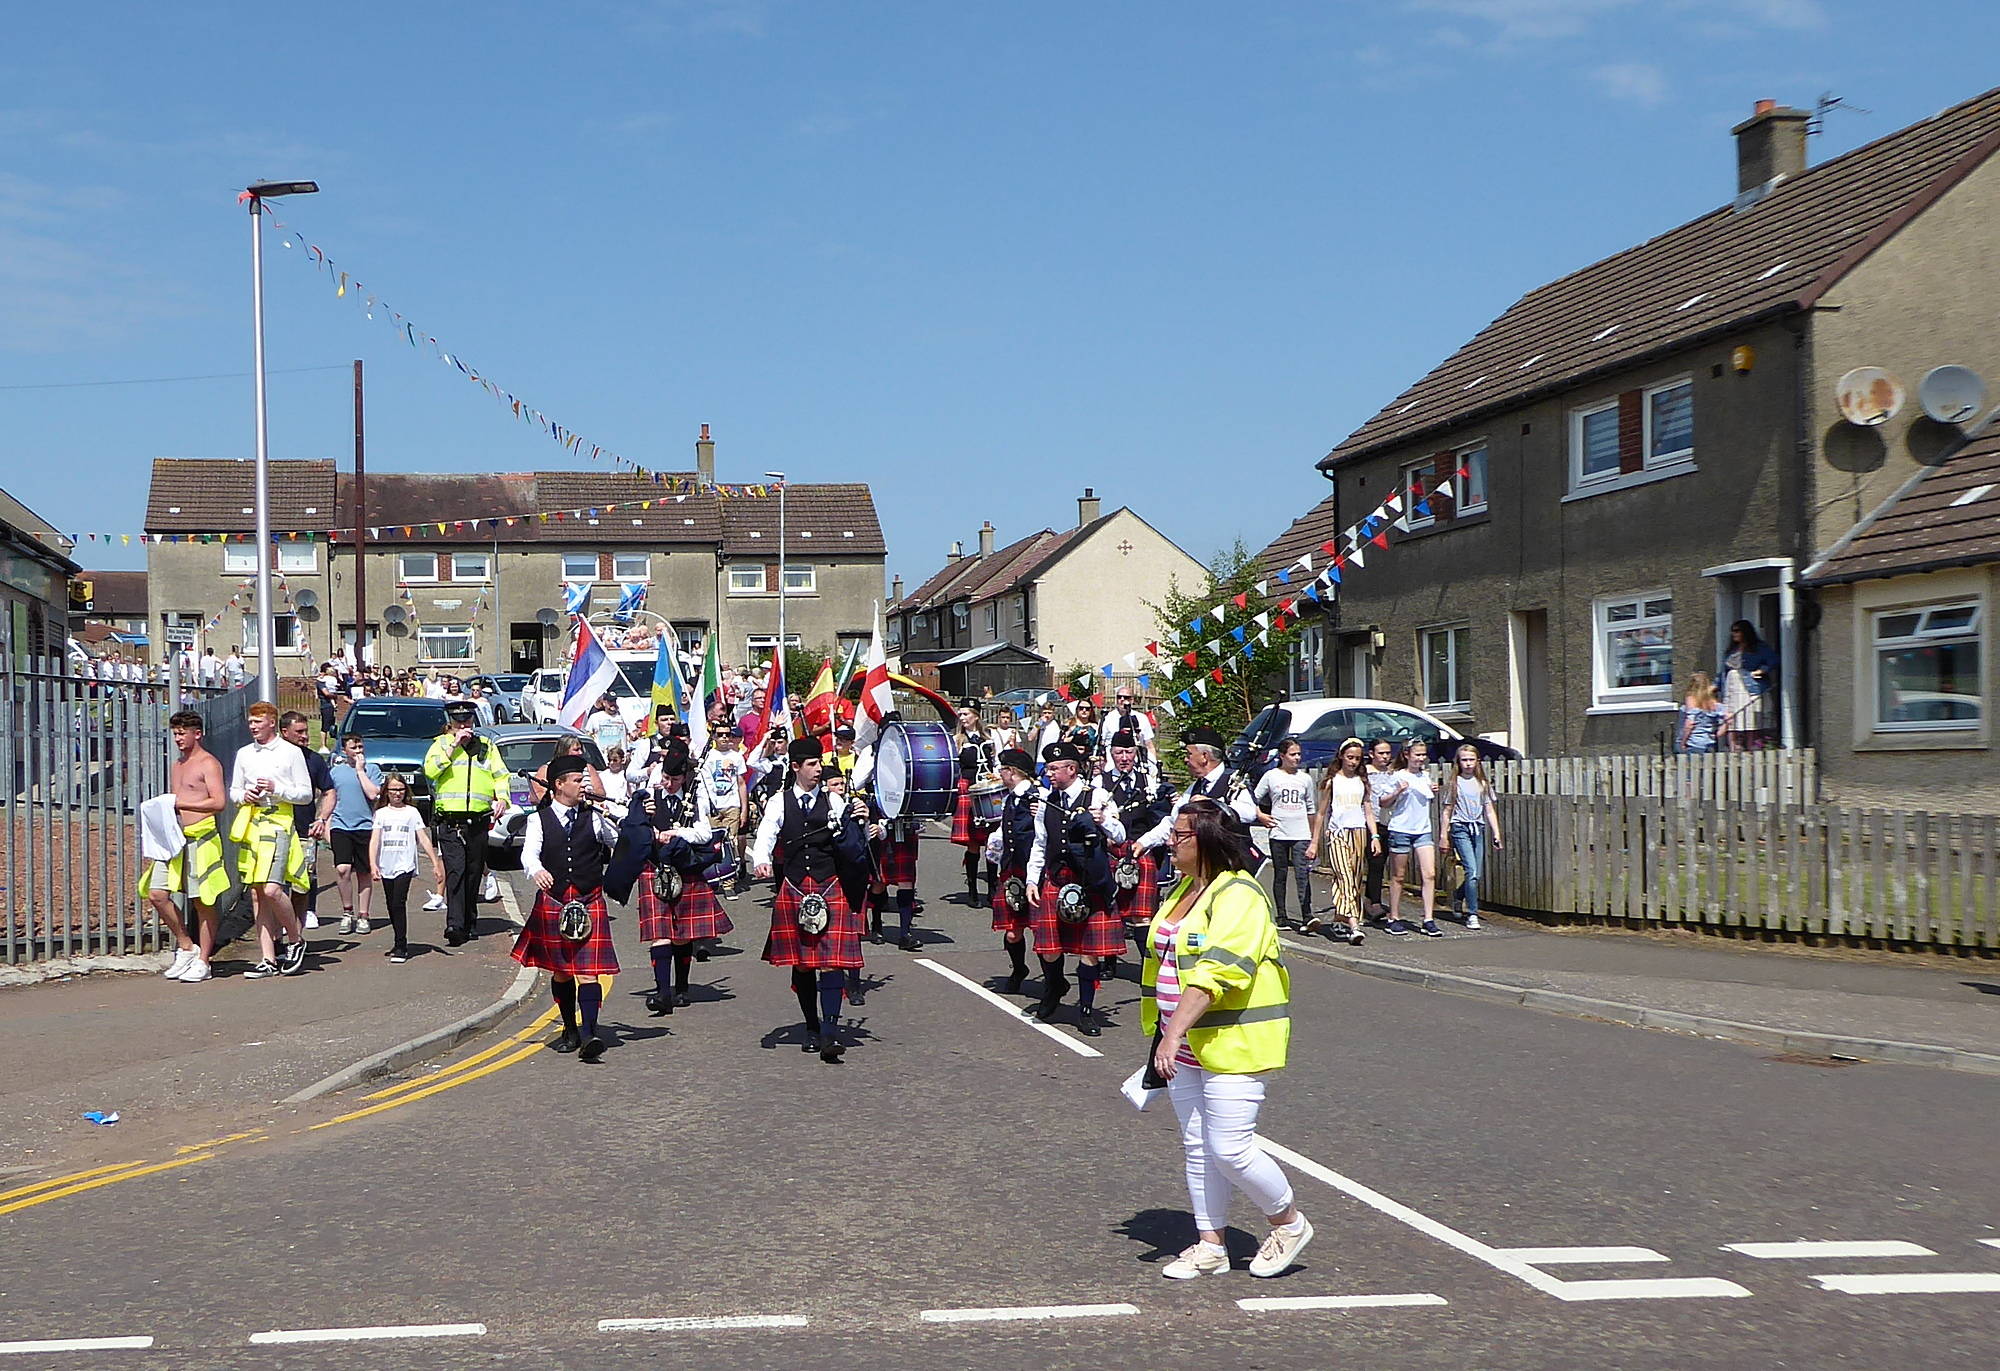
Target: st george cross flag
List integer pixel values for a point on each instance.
(590, 675)
(876, 703)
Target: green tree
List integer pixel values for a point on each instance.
(1248, 683)
(801, 665)
(1066, 676)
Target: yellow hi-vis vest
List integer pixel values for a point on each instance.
(1228, 946)
(461, 783)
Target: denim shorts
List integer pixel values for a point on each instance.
(1409, 842)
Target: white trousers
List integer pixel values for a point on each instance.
(1218, 1115)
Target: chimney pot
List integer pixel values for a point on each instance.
(1770, 144)
(896, 588)
(957, 551)
(986, 539)
(704, 457)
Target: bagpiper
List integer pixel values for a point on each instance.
(678, 908)
(1210, 778)
(1008, 848)
(1142, 796)
(1070, 883)
(564, 850)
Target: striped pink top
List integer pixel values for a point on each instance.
(1167, 988)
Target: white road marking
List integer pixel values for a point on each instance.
(1026, 1311)
(1257, 1305)
(507, 903)
(680, 1325)
(1579, 1256)
(75, 1345)
(1691, 1287)
(1799, 1251)
(1012, 1010)
(1915, 1283)
(405, 1330)
(1991, 1242)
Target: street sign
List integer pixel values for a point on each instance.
(179, 635)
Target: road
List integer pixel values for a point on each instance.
(1492, 1187)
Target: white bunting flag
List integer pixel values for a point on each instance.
(1264, 619)
(1131, 661)
(1263, 587)
(1220, 612)
(1201, 684)
(1393, 502)
(1355, 556)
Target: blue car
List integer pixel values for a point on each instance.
(1321, 726)
(396, 733)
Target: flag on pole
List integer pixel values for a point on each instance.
(590, 675)
(877, 703)
(698, 700)
(668, 691)
(631, 599)
(576, 597)
(777, 703)
(820, 699)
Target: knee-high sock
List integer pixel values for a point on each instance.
(683, 959)
(1053, 983)
(589, 997)
(906, 909)
(1086, 985)
(832, 985)
(971, 864)
(663, 962)
(802, 986)
(1017, 953)
(565, 996)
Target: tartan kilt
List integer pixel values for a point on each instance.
(1142, 901)
(695, 915)
(1100, 935)
(896, 862)
(964, 831)
(540, 946)
(835, 948)
(1006, 920)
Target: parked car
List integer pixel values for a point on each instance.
(506, 693)
(542, 696)
(397, 733)
(1322, 725)
(524, 749)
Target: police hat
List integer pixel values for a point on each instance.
(1064, 752)
(1207, 737)
(568, 765)
(461, 711)
(844, 734)
(1018, 759)
(1123, 738)
(803, 750)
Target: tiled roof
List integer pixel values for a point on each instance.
(1306, 534)
(946, 583)
(1716, 273)
(116, 593)
(1020, 562)
(1947, 515)
(214, 495)
(674, 518)
(836, 519)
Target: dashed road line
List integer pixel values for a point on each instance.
(1026, 1312)
(1581, 1256)
(1807, 1251)
(1915, 1283)
(1275, 1303)
(76, 1345)
(1012, 1010)
(692, 1324)
(371, 1334)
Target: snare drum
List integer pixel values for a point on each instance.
(988, 800)
(916, 771)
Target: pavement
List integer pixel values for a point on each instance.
(1492, 1186)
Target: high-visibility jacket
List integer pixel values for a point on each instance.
(1227, 946)
(462, 783)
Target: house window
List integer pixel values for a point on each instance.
(855, 643)
(471, 566)
(631, 566)
(416, 566)
(1471, 487)
(579, 566)
(1418, 480)
(1927, 668)
(923, 625)
(693, 639)
(799, 580)
(1307, 670)
(298, 558)
(759, 646)
(991, 620)
(746, 579)
(1634, 650)
(444, 642)
(1446, 674)
(284, 632)
(1670, 423)
(894, 636)
(1593, 443)
(239, 559)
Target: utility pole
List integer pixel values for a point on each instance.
(360, 529)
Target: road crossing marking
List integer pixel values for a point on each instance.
(1012, 1010)
(404, 1330)
(1020, 1313)
(75, 1345)
(1801, 1251)
(1581, 1256)
(1256, 1305)
(1915, 1283)
(689, 1324)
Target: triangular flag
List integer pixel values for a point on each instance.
(1444, 489)
(1195, 624)
(1237, 633)
(1394, 502)
(1202, 686)
(1264, 619)
(1263, 588)
(1216, 672)
(1189, 658)
(1242, 601)
(1219, 612)
(1327, 549)
(1356, 557)
(1380, 540)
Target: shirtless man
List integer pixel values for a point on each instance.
(197, 870)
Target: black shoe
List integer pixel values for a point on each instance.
(856, 996)
(1087, 1024)
(568, 1042)
(399, 954)
(681, 1000)
(292, 960)
(592, 1050)
(1046, 1010)
(656, 1006)
(1013, 983)
(811, 1044)
(701, 954)
(910, 942)
(453, 938)
(830, 1049)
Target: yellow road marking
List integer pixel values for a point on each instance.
(104, 1180)
(65, 1180)
(520, 1054)
(474, 1060)
(254, 1135)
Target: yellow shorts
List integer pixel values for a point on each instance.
(197, 871)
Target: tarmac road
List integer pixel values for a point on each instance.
(961, 1161)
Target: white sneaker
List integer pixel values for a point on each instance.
(197, 970)
(1199, 1260)
(182, 956)
(1472, 923)
(489, 889)
(1281, 1250)
(312, 920)
(434, 903)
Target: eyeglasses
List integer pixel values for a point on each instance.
(1181, 834)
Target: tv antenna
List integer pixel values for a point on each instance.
(1825, 105)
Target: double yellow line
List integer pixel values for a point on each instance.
(77, 1182)
(502, 1054)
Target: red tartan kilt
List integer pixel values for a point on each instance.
(896, 862)
(1100, 935)
(964, 831)
(1006, 920)
(696, 915)
(540, 946)
(1142, 902)
(837, 947)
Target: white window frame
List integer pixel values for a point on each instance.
(801, 578)
(427, 633)
(1462, 505)
(739, 570)
(623, 572)
(893, 636)
(1426, 468)
(1305, 668)
(1578, 479)
(1973, 633)
(403, 560)
(239, 559)
(291, 563)
(1457, 668)
(1679, 457)
(757, 646)
(1605, 697)
(992, 619)
(481, 568)
(295, 647)
(573, 578)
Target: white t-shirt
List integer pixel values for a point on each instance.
(398, 825)
(1289, 800)
(1344, 801)
(1468, 806)
(1413, 812)
(721, 773)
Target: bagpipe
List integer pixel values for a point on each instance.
(675, 861)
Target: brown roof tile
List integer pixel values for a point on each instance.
(1307, 533)
(214, 495)
(674, 517)
(1947, 515)
(836, 519)
(1713, 274)
(116, 594)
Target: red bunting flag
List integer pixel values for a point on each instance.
(1188, 657)
(1278, 624)
(1152, 649)
(1063, 690)
(1381, 539)
(1242, 601)
(1216, 672)
(1328, 548)
(1285, 606)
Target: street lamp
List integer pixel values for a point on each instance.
(267, 663)
(779, 477)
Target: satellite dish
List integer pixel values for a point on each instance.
(548, 618)
(306, 599)
(395, 614)
(1951, 394)
(1869, 396)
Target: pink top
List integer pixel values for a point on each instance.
(1167, 988)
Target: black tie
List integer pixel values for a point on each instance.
(569, 823)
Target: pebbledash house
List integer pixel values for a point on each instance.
(1654, 447)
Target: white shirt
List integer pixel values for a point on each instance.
(700, 831)
(774, 819)
(1345, 797)
(531, 841)
(398, 827)
(1083, 797)
(277, 761)
(211, 671)
(722, 779)
(1141, 728)
(1239, 803)
(1288, 798)
(434, 689)
(1412, 813)
(1046, 734)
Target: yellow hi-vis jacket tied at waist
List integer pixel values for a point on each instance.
(1227, 946)
(460, 782)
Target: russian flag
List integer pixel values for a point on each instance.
(590, 676)
(777, 703)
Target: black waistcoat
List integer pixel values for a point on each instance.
(804, 838)
(574, 859)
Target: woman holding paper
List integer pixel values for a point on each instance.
(1218, 1001)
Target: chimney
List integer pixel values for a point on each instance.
(957, 551)
(986, 539)
(1086, 507)
(1770, 143)
(895, 588)
(704, 457)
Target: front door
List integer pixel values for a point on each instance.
(524, 647)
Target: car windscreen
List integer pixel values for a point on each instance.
(634, 678)
(1269, 725)
(1395, 725)
(1330, 727)
(398, 721)
(509, 683)
(532, 754)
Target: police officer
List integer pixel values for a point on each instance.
(468, 791)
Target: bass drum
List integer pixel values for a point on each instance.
(916, 771)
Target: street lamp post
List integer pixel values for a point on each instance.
(779, 477)
(267, 663)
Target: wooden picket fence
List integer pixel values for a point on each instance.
(1909, 879)
(1778, 776)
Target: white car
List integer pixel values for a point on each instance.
(542, 696)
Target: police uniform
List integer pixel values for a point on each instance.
(467, 784)
(1071, 857)
(572, 844)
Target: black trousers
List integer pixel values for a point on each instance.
(461, 844)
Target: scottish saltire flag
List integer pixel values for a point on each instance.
(631, 599)
(590, 676)
(576, 597)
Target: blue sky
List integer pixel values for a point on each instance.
(979, 256)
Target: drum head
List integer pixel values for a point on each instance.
(892, 770)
